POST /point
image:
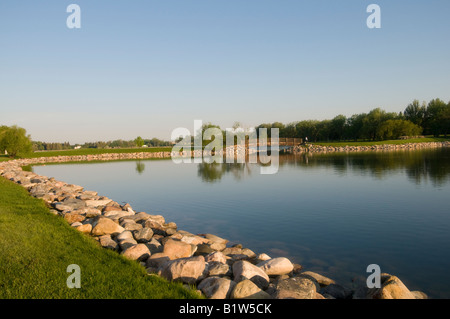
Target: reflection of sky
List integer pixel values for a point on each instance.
(328, 218)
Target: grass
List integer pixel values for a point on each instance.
(96, 151)
(36, 247)
(372, 143)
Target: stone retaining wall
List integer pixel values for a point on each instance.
(205, 260)
(385, 147)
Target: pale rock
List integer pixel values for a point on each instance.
(247, 289)
(216, 287)
(137, 252)
(244, 270)
(177, 249)
(106, 226)
(276, 266)
(188, 270)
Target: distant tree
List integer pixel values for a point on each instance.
(415, 112)
(393, 129)
(15, 141)
(338, 127)
(139, 141)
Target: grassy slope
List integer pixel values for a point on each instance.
(36, 247)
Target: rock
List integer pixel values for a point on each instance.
(38, 191)
(86, 228)
(188, 270)
(74, 203)
(246, 289)
(219, 269)
(106, 226)
(244, 270)
(216, 288)
(92, 212)
(117, 214)
(295, 288)
(336, 291)
(276, 266)
(127, 243)
(131, 225)
(215, 239)
(154, 246)
(321, 280)
(125, 235)
(97, 202)
(62, 208)
(216, 257)
(73, 217)
(138, 252)
(391, 288)
(157, 260)
(107, 242)
(143, 235)
(156, 218)
(177, 249)
(262, 257)
(419, 294)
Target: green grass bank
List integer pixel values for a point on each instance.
(36, 248)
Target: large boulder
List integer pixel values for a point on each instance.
(138, 252)
(391, 288)
(187, 270)
(321, 280)
(143, 235)
(246, 289)
(106, 226)
(276, 266)
(216, 288)
(295, 288)
(175, 249)
(243, 270)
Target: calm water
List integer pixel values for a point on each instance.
(334, 214)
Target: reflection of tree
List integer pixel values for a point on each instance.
(140, 167)
(213, 172)
(420, 165)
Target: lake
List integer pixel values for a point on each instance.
(332, 213)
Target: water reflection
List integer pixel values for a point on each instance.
(140, 167)
(420, 166)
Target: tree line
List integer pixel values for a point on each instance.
(432, 118)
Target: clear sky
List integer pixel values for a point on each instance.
(147, 67)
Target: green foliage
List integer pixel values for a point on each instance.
(36, 247)
(139, 141)
(15, 141)
(393, 129)
(416, 119)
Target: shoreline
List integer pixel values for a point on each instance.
(204, 260)
(311, 148)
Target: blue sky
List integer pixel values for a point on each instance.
(147, 67)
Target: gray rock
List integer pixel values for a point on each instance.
(337, 291)
(143, 235)
(295, 288)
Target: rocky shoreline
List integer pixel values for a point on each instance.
(203, 260)
(384, 147)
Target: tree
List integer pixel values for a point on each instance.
(139, 141)
(435, 123)
(393, 129)
(15, 141)
(415, 112)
